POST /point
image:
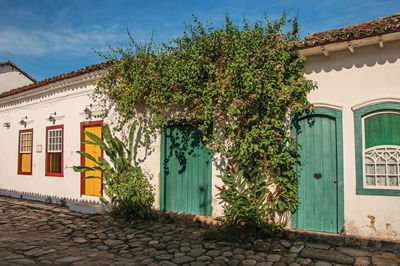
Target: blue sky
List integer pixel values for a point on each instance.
(51, 37)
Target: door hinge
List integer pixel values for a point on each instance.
(335, 182)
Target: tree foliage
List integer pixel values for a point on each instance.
(244, 82)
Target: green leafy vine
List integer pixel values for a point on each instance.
(244, 82)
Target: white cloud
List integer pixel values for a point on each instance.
(15, 41)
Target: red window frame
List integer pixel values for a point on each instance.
(83, 125)
(62, 151)
(20, 154)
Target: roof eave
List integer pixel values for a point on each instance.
(348, 45)
(85, 70)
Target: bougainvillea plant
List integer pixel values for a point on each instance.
(243, 82)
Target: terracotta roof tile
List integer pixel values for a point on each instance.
(72, 74)
(376, 27)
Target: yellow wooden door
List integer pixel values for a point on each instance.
(92, 185)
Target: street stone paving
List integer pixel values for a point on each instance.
(35, 233)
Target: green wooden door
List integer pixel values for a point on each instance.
(317, 189)
(185, 171)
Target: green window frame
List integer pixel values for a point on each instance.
(371, 143)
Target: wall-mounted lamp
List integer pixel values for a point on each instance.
(87, 111)
(7, 125)
(52, 118)
(23, 122)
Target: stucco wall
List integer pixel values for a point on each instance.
(11, 78)
(69, 105)
(69, 108)
(346, 80)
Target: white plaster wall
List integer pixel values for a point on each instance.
(69, 108)
(218, 165)
(346, 80)
(11, 78)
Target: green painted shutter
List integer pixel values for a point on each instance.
(186, 171)
(382, 129)
(317, 208)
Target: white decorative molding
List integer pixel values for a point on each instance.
(324, 51)
(56, 117)
(52, 89)
(340, 46)
(351, 47)
(380, 41)
(375, 101)
(93, 113)
(328, 105)
(70, 95)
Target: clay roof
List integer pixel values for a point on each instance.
(72, 74)
(376, 27)
(17, 68)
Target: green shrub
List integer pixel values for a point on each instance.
(250, 207)
(129, 191)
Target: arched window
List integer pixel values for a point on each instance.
(377, 133)
(382, 150)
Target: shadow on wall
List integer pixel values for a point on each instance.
(184, 141)
(144, 119)
(362, 57)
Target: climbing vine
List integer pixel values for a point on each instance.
(243, 82)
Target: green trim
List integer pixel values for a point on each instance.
(162, 174)
(337, 116)
(358, 115)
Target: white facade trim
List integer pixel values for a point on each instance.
(48, 90)
(342, 46)
(48, 100)
(328, 105)
(375, 101)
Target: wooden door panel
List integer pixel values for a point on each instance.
(317, 192)
(92, 186)
(186, 168)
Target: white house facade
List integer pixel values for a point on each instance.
(42, 128)
(40, 132)
(357, 70)
(350, 173)
(11, 77)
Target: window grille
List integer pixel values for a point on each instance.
(54, 143)
(25, 145)
(382, 165)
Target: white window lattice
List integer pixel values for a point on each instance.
(382, 165)
(25, 142)
(54, 141)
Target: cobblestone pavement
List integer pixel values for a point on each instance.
(39, 233)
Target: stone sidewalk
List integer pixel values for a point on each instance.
(43, 234)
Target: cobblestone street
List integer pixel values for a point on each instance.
(39, 233)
